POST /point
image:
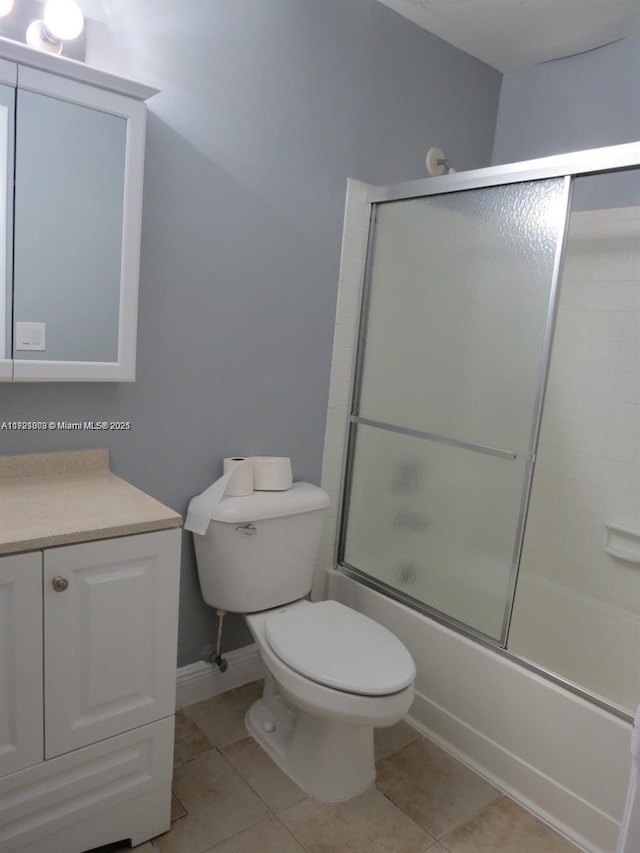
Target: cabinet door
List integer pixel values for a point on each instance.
(110, 637)
(78, 190)
(20, 661)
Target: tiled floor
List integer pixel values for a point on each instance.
(231, 798)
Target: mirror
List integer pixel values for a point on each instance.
(68, 225)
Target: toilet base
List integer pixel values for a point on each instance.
(330, 760)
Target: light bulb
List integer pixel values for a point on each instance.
(5, 7)
(36, 38)
(63, 19)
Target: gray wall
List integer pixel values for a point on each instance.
(265, 110)
(585, 101)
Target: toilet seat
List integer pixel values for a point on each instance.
(340, 648)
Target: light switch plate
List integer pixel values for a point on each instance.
(31, 336)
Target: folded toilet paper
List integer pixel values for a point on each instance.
(241, 476)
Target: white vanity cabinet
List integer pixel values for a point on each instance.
(88, 636)
(71, 174)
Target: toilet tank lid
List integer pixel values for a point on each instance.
(301, 497)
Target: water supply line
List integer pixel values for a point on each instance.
(220, 662)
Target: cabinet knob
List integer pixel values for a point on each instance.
(59, 583)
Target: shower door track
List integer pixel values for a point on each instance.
(568, 166)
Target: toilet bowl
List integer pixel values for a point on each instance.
(332, 676)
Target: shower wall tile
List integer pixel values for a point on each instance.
(604, 355)
(343, 359)
(622, 447)
(336, 424)
(340, 392)
(350, 297)
(608, 325)
(618, 265)
(345, 335)
(590, 411)
(582, 267)
(612, 296)
(628, 356)
(588, 469)
(625, 417)
(631, 327)
(634, 296)
(352, 261)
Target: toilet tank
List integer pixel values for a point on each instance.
(259, 551)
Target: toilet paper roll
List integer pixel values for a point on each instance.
(241, 480)
(272, 473)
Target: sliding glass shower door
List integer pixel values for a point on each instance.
(455, 334)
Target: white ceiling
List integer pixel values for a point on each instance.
(510, 34)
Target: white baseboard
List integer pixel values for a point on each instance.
(202, 680)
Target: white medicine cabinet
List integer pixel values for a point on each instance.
(71, 174)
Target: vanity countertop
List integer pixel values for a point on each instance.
(49, 499)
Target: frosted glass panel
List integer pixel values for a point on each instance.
(459, 293)
(438, 523)
(577, 605)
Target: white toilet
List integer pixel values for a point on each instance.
(332, 674)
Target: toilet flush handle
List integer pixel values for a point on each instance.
(248, 529)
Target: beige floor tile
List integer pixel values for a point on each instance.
(218, 801)
(269, 836)
(177, 809)
(369, 823)
(392, 738)
(432, 787)
(207, 777)
(263, 774)
(505, 827)
(221, 718)
(189, 739)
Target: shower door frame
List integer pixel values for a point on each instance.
(595, 161)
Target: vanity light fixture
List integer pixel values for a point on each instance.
(5, 7)
(63, 21)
